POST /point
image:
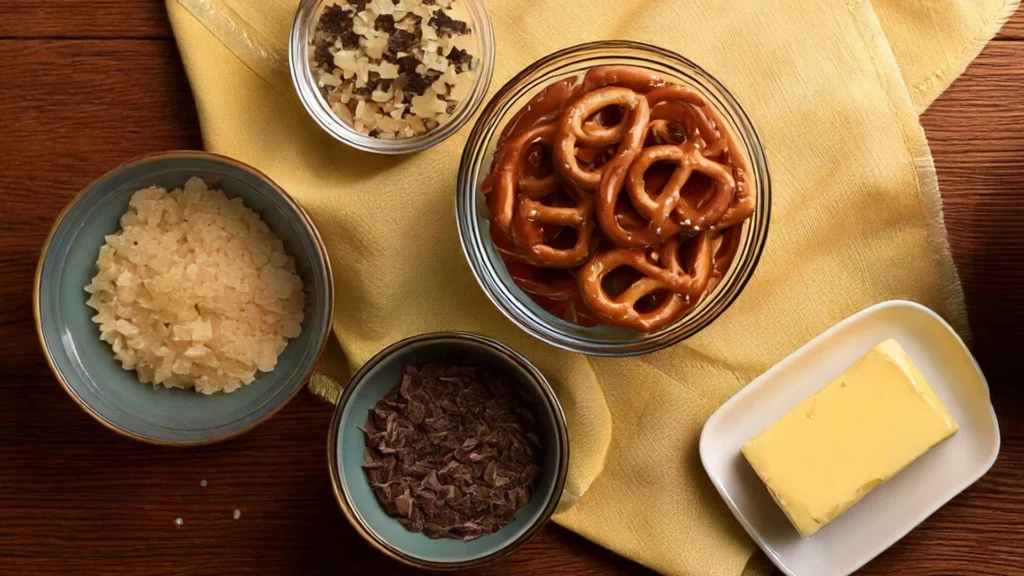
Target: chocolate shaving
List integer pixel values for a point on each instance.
(445, 25)
(384, 23)
(460, 58)
(337, 21)
(401, 41)
(406, 65)
(323, 56)
(419, 83)
(452, 450)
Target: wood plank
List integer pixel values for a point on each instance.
(83, 19)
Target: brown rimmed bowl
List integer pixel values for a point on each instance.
(346, 442)
(85, 366)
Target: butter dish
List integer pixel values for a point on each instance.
(891, 510)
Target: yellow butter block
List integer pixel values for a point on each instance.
(836, 446)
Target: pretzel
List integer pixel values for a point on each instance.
(531, 218)
(684, 105)
(684, 285)
(695, 125)
(508, 177)
(571, 133)
(660, 208)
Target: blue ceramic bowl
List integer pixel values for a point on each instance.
(85, 366)
(346, 442)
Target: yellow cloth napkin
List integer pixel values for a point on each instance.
(856, 219)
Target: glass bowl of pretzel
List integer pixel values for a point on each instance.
(613, 199)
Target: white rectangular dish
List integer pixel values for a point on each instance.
(894, 508)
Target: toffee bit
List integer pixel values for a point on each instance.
(445, 25)
(449, 450)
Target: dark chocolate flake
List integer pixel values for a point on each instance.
(460, 59)
(401, 41)
(323, 57)
(335, 20)
(445, 25)
(384, 23)
(418, 84)
(407, 65)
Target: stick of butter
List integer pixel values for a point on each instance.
(854, 434)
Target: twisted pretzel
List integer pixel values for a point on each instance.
(659, 209)
(531, 219)
(571, 133)
(508, 177)
(684, 285)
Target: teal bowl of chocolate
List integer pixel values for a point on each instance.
(85, 365)
(404, 534)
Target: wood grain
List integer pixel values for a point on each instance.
(57, 19)
(1014, 28)
(76, 499)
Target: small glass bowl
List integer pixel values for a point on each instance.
(473, 215)
(303, 27)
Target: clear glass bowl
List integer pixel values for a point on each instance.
(473, 215)
(304, 25)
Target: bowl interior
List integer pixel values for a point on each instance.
(87, 364)
(349, 444)
(474, 215)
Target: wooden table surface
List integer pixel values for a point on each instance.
(88, 84)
